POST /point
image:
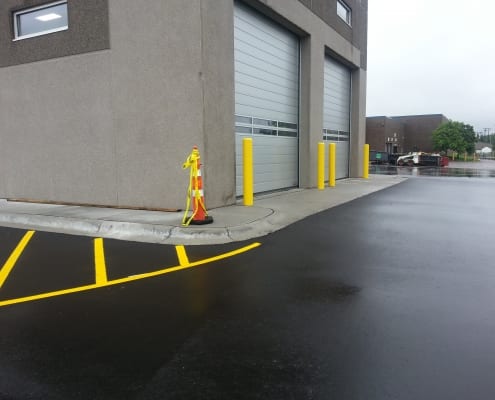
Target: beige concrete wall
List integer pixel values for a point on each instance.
(311, 108)
(218, 96)
(114, 126)
(56, 139)
(172, 89)
(358, 122)
(156, 97)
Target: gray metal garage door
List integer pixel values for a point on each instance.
(336, 113)
(266, 99)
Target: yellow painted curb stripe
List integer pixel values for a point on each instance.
(181, 255)
(9, 265)
(100, 266)
(130, 278)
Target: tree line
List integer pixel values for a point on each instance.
(486, 138)
(455, 136)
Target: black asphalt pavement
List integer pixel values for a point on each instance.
(390, 296)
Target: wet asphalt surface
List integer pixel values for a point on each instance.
(390, 296)
(479, 169)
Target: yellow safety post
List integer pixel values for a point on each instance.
(366, 161)
(247, 160)
(321, 166)
(331, 164)
(465, 156)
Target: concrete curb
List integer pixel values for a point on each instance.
(234, 223)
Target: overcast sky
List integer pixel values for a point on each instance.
(432, 57)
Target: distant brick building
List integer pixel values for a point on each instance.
(402, 134)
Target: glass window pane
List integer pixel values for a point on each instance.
(344, 12)
(42, 20)
(243, 120)
(287, 125)
(264, 132)
(266, 122)
(243, 129)
(287, 133)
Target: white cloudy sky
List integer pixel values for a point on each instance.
(432, 57)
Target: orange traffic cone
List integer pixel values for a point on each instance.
(200, 215)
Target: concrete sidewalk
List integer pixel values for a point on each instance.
(232, 223)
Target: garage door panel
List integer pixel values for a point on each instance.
(337, 71)
(337, 110)
(338, 122)
(341, 159)
(267, 111)
(336, 113)
(262, 44)
(281, 108)
(273, 163)
(250, 44)
(266, 99)
(261, 29)
(335, 78)
(262, 147)
(261, 26)
(267, 66)
(336, 83)
(275, 83)
(252, 65)
(268, 96)
(338, 97)
(260, 112)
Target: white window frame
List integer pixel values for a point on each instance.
(347, 18)
(19, 13)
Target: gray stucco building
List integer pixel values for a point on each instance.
(101, 101)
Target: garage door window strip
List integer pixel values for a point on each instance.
(261, 126)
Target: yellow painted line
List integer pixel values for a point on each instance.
(181, 255)
(130, 278)
(9, 265)
(100, 266)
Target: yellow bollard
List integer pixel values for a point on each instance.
(366, 161)
(331, 164)
(247, 160)
(321, 166)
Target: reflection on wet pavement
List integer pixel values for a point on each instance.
(432, 171)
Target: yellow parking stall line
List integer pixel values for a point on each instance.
(100, 266)
(181, 255)
(130, 278)
(9, 265)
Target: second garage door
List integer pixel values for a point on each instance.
(336, 112)
(266, 99)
